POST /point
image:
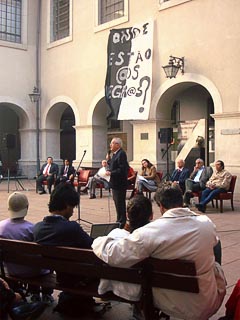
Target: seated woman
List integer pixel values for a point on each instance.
(148, 178)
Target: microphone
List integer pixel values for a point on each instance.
(109, 152)
(84, 151)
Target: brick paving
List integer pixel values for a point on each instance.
(102, 210)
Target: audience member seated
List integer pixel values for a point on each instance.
(178, 234)
(48, 172)
(139, 213)
(66, 173)
(17, 228)
(180, 174)
(57, 230)
(99, 177)
(12, 304)
(148, 178)
(197, 180)
(218, 182)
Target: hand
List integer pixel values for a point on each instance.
(5, 284)
(127, 226)
(108, 173)
(211, 186)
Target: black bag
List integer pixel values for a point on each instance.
(74, 305)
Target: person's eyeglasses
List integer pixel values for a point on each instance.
(198, 162)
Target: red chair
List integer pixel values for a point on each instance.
(131, 187)
(100, 186)
(197, 194)
(148, 193)
(226, 195)
(82, 179)
(45, 183)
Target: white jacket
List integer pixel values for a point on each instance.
(178, 234)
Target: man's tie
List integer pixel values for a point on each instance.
(47, 169)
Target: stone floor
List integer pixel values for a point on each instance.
(102, 210)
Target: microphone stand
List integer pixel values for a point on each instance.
(167, 175)
(79, 213)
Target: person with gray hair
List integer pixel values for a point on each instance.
(178, 234)
(180, 174)
(99, 177)
(118, 172)
(197, 180)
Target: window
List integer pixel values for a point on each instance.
(165, 4)
(109, 13)
(110, 10)
(60, 16)
(10, 20)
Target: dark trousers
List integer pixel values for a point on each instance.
(208, 195)
(49, 179)
(119, 198)
(190, 186)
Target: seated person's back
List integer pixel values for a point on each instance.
(178, 234)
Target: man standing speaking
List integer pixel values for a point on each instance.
(118, 171)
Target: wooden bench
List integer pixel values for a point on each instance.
(169, 274)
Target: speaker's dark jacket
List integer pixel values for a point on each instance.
(118, 166)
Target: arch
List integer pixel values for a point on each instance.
(19, 107)
(59, 100)
(93, 104)
(188, 78)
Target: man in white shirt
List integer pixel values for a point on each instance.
(99, 177)
(178, 234)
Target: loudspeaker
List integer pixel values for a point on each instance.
(165, 135)
(11, 141)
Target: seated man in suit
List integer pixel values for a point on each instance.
(197, 180)
(180, 174)
(66, 173)
(47, 173)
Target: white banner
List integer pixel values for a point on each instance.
(129, 76)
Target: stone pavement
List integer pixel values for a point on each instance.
(102, 210)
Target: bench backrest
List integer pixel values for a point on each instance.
(169, 274)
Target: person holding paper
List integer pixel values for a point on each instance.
(148, 178)
(99, 177)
